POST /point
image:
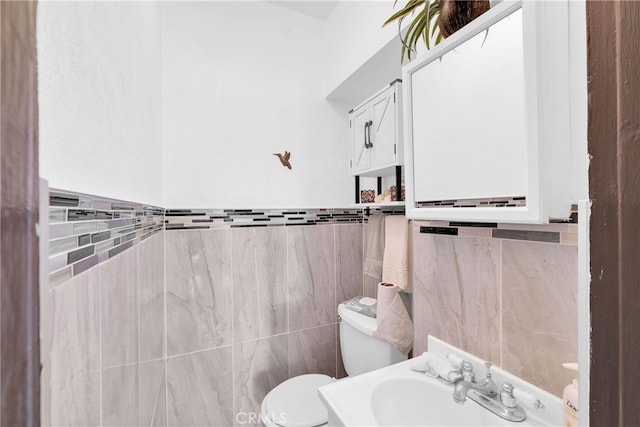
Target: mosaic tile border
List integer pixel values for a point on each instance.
(86, 230)
(386, 210)
(185, 219)
(564, 233)
(492, 202)
(203, 219)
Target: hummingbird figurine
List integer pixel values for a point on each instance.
(284, 159)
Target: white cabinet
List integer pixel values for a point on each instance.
(375, 133)
(495, 121)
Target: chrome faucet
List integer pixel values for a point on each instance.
(486, 386)
(485, 393)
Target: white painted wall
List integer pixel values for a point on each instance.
(100, 107)
(243, 80)
(353, 34)
(184, 108)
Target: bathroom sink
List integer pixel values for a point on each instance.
(399, 396)
(421, 401)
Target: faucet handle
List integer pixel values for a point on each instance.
(506, 396)
(467, 372)
(488, 365)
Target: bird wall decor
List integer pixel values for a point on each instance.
(284, 158)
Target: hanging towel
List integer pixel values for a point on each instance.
(396, 252)
(374, 245)
(394, 324)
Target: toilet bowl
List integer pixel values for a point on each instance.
(295, 402)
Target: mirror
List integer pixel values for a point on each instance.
(469, 124)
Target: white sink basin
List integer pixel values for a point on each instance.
(399, 396)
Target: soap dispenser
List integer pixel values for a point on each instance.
(570, 399)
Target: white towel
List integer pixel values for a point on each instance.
(436, 367)
(396, 252)
(374, 245)
(394, 324)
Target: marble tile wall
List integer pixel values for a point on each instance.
(195, 326)
(512, 302)
(274, 293)
(106, 342)
(192, 327)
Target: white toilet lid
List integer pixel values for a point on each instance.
(295, 402)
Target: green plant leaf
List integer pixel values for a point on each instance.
(416, 27)
(434, 15)
(432, 9)
(435, 24)
(425, 25)
(413, 32)
(404, 46)
(425, 31)
(439, 38)
(406, 10)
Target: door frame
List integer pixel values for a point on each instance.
(614, 188)
(19, 278)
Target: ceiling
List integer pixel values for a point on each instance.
(319, 9)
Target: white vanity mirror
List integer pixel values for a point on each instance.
(488, 124)
(464, 137)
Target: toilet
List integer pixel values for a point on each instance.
(295, 402)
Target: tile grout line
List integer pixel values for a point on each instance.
(100, 382)
(256, 280)
(501, 307)
(138, 286)
(165, 332)
(233, 347)
(286, 266)
(335, 297)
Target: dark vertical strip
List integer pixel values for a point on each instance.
(399, 183)
(628, 17)
(379, 185)
(357, 189)
(604, 378)
(19, 305)
(614, 179)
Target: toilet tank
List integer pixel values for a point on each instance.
(361, 352)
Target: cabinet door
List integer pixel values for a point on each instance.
(469, 129)
(496, 127)
(383, 128)
(360, 153)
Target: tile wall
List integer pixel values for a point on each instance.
(195, 326)
(249, 308)
(103, 331)
(99, 308)
(504, 292)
